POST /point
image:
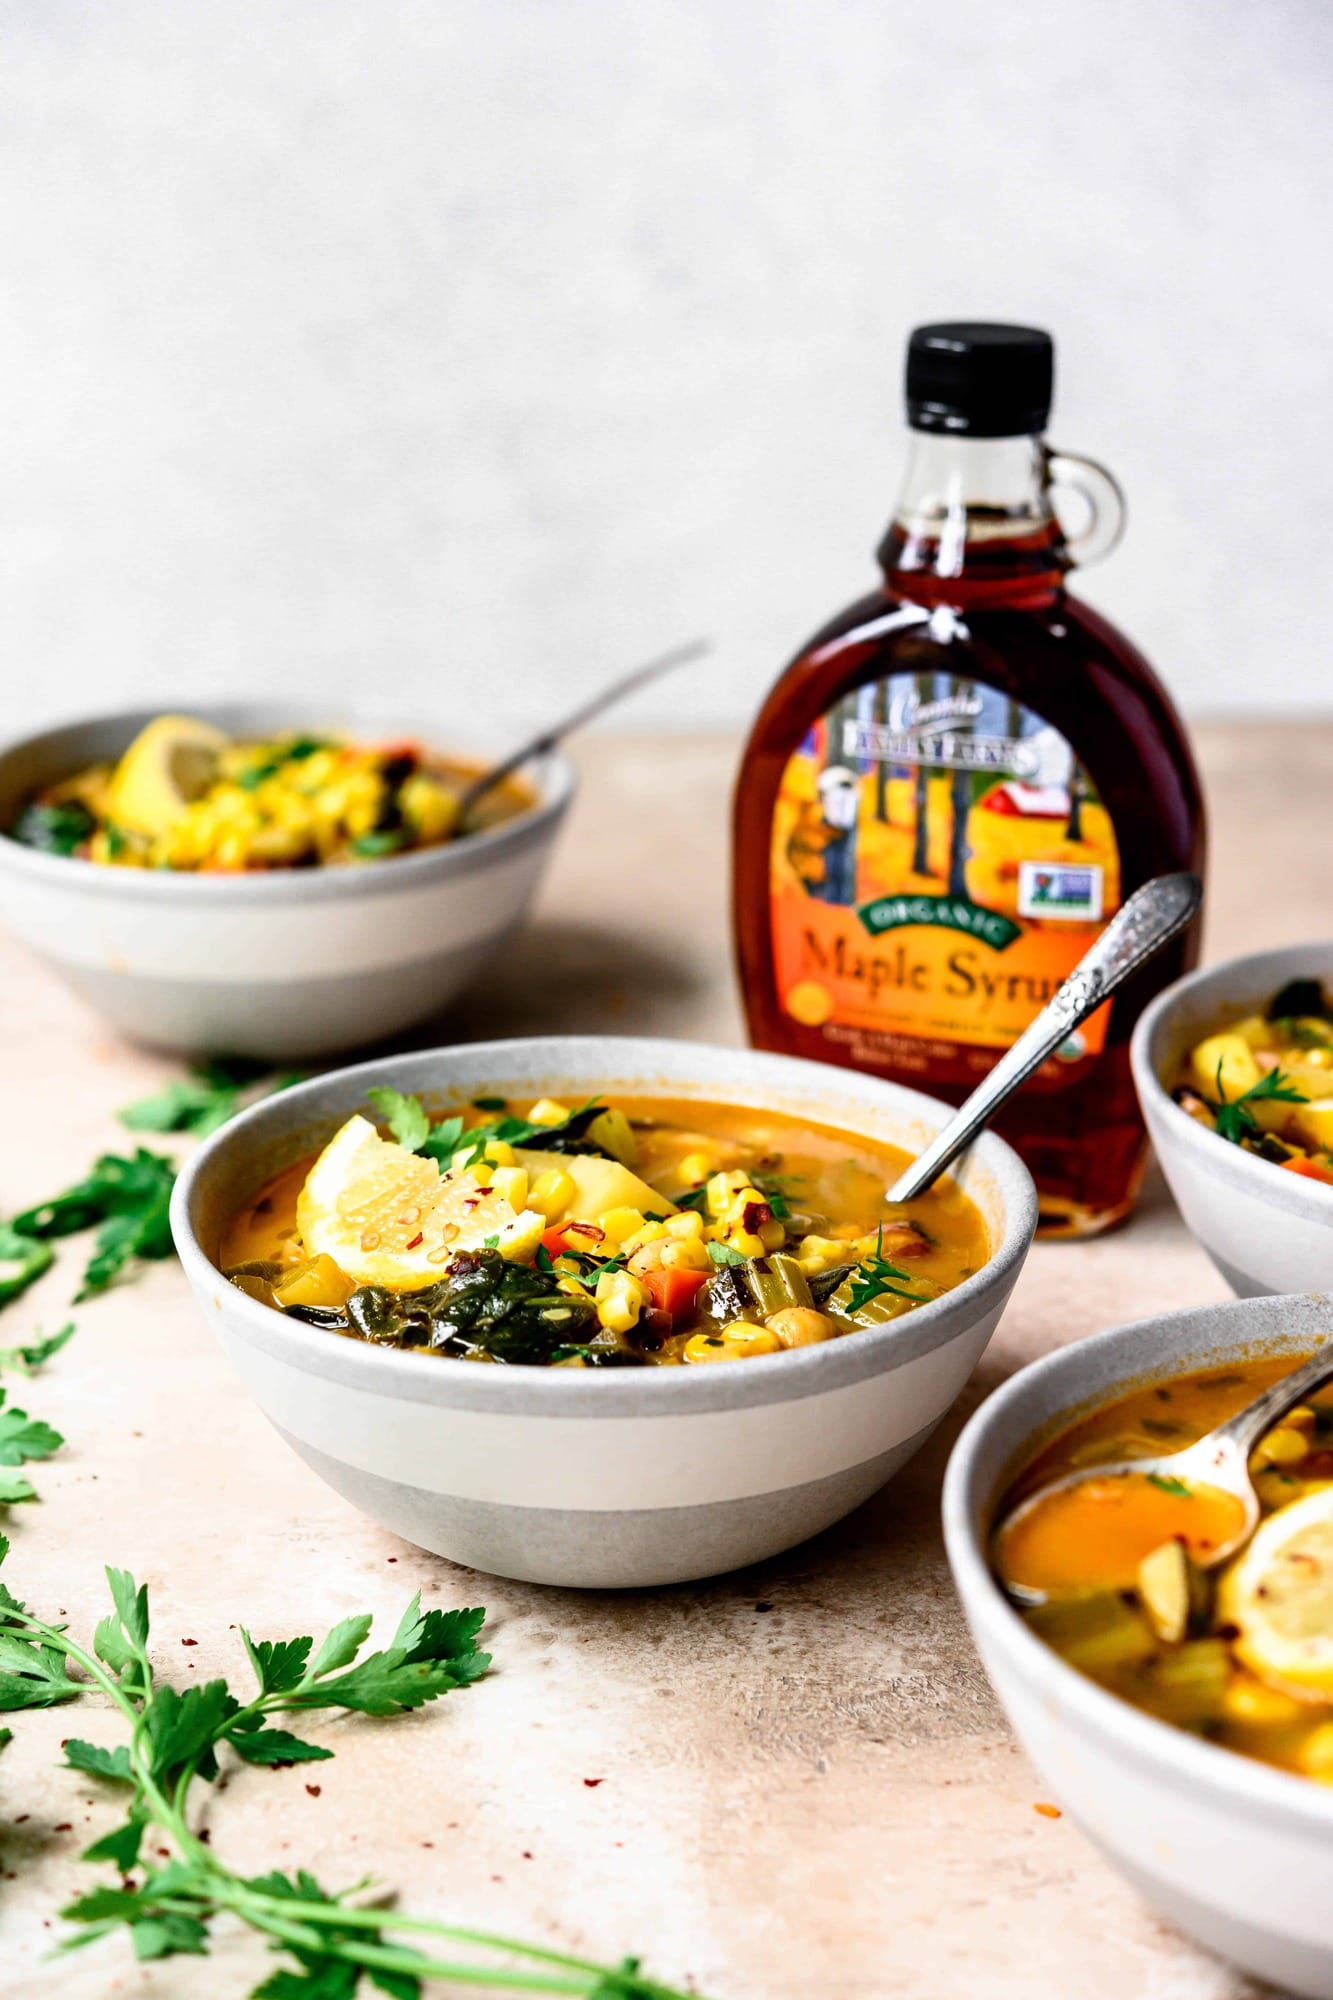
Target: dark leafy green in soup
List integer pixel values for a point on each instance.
(1266, 1083)
(649, 1231)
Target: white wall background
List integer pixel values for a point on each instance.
(475, 348)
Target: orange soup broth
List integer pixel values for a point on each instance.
(837, 1177)
(1094, 1543)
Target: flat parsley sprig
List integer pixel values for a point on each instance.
(174, 1740)
(203, 1099)
(874, 1276)
(1234, 1119)
(127, 1199)
(410, 1124)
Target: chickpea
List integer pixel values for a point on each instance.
(800, 1326)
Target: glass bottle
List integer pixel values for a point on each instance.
(955, 784)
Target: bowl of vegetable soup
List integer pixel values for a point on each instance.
(262, 878)
(1234, 1070)
(597, 1311)
(1183, 1714)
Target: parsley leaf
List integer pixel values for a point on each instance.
(58, 829)
(405, 1116)
(722, 1253)
(22, 1262)
(874, 1276)
(202, 1101)
(30, 1355)
(1235, 1122)
(1168, 1483)
(129, 1198)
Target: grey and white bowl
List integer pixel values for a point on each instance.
(1265, 1229)
(284, 966)
(641, 1476)
(1238, 1854)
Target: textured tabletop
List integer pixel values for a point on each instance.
(806, 1790)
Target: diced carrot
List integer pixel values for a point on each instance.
(1310, 1170)
(674, 1291)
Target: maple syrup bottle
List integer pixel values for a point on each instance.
(954, 786)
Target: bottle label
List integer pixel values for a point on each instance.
(941, 861)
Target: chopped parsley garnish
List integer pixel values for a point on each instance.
(1235, 1121)
(722, 1253)
(61, 829)
(874, 1276)
(405, 1117)
(412, 1128)
(1167, 1483)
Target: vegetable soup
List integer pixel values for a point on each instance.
(1266, 1084)
(185, 796)
(1242, 1655)
(648, 1231)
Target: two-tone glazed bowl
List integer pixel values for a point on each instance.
(1266, 1230)
(624, 1477)
(1236, 1853)
(286, 965)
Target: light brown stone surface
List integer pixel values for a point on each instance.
(807, 1789)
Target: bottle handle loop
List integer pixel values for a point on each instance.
(1101, 500)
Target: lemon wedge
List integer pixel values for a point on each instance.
(389, 1217)
(170, 763)
(1279, 1595)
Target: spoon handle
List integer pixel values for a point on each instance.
(546, 739)
(1243, 1431)
(1149, 919)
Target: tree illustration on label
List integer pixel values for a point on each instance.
(882, 812)
(925, 686)
(839, 788)
(960, 802)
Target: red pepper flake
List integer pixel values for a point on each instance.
(20, 1817)
(428, 1843)
(417, 1240)
(1047, 1811)
(755, 1214)
(390, 1559)
(189, 1642)
(590, 1782)
(63, 1826)
(314, 1790)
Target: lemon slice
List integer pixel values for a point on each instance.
(169, 764)
(1279, 1594)
(389, 1217)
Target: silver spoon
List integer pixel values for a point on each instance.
(537, 746)
(1150, 918)
(1220, 1459)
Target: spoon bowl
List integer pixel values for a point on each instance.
(1217, 1464)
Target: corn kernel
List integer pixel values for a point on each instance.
(499, 1152)
(689, 1223)
(1250, 1700)
(737, 1341)
(1316, 1755)
(520, 1241)
(1282, 1446)
(482, 1174)
(552, 1192)
(746, 1242)
(619, 1224)
(511, 1184)
(620, 1300)
(771, 1234)
(695, 1167)
(547, 1112)
(689, 1255)
(721, 1191)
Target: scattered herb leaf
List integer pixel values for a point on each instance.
(1235, 1121)
(874, 1276)
(22, 1262)
(128, 1198)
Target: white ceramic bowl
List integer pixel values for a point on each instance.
(634, 1476)
(283, 966)
(1239, 1855)
(1266, 1230)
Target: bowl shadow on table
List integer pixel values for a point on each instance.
(575, 978)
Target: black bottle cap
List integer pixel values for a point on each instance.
(972, 378)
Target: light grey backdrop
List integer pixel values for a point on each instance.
(476, 347)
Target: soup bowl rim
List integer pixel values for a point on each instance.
(522, 1389)
(553, 778)
(1207, 1150)
(1143, 1738)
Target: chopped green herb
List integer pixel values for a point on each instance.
(33, 1354)
(371, 845)
(722, 1253)
(21, 1438)
(405, 1117)
(1235, 1122)
(22, 1262)
(874, 1276)
(1168, 1483)
(61, 829)
(695, 1198)
(129, 1201)
(489, 1103)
